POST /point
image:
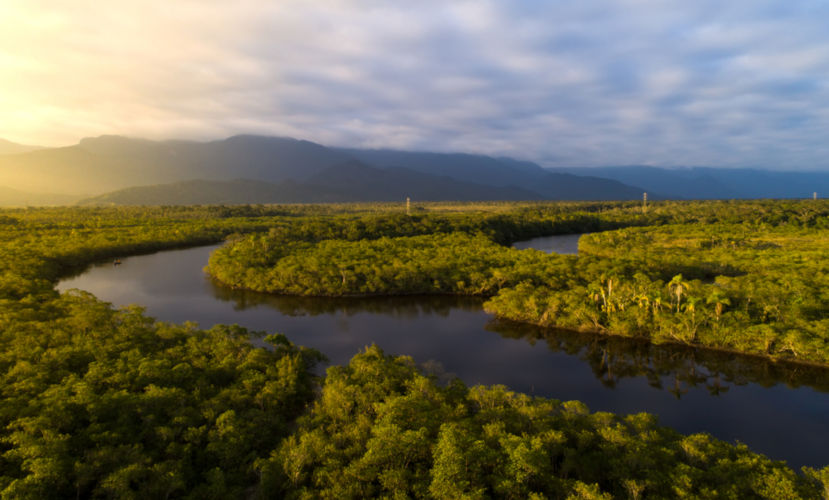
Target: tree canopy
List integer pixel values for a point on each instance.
(98, 402)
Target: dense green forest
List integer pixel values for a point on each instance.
(382, 429)
(743, 287)
(743, 276)
(106, 403)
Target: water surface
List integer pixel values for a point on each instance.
(561, 243)
(776, 409)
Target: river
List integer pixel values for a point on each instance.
(777, 409)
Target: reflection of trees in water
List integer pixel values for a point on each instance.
(674, 368)
(404, 306)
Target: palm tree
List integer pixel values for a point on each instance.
(642, 300)
(691, 324)
(691, 306)
(678, 287)
(656, 302)
(720, 300)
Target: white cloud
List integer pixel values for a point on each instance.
(574, 83)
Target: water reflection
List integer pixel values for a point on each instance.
(672, 368)
(776, 408)
(403, 307)
(567, 244)
(668, 367)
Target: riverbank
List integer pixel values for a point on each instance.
(202, 412)
(752, 287)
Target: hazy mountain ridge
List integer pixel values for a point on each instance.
(349, 182)
(9, 147)
(364, 183)
(505, 172)
(714, 183)
(16, 198)
(260, 169)
(203, 192)
(109, 164)
(461, 166)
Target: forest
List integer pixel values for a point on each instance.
(747, 277)
(99, 402)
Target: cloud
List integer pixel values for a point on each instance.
(563, 83)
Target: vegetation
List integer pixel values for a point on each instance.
(742, 287)
(748, 277)
(670, 367)
(382, 429)
(281, 170)
(98, 402)
(104, 403)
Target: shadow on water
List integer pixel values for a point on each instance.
(670, 367)
(566, 244)
(404, 306)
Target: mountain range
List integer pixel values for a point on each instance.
(119, 170)
(258, 169)
(347, 182)
(714, 183)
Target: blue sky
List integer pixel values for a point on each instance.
(737, 83)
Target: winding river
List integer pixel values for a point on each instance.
(777, 409)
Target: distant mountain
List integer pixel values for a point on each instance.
(463, 167)
(202, 192)
(361, 182)
(501, 172)
(109, 164)
(352, 181)
(754, 183)
(8, 148)
(16, 198)
(714, 183)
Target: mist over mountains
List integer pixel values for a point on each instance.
(107, 163)
(347, 182)
(258, 169)
(16, 198)
(119, 170)
(8, 147)
(714, 183)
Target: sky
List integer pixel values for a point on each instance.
(742, 83)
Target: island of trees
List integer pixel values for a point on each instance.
(104, 402)
(748, 277)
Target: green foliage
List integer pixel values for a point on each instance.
(440, 263)
(740, 276)
(382, 429)
(751, 288)
(256, 262)
(97, 402)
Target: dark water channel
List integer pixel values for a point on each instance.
(562, 243)
(777, 409)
